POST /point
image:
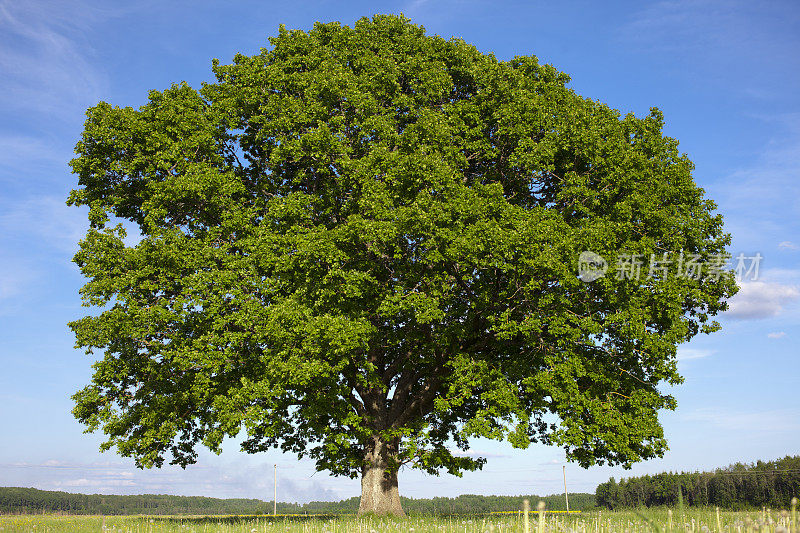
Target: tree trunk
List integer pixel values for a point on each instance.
(379, 494)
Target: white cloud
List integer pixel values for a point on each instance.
(761, 299)
(788, 245)
(685, 354)
(782, 275)
(776, 335)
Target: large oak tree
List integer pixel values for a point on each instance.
(361, 246)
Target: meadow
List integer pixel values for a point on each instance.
(645, 520)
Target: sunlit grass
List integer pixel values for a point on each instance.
(664, 520)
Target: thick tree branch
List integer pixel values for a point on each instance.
(420, 405)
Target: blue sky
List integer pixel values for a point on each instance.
(725, 74)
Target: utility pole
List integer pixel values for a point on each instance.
(275, 497)
(566, 498)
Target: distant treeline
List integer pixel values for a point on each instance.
(28, 500)
(464, 504)
(739, 486)
(18, 500)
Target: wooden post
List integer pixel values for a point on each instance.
(526, 505)
(541, 507)
(566, 497)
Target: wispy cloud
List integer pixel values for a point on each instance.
(716, 31)
(242, 479)
(683, 25)
(45, 57)
(15, 275)
(413, 5)
(38, 237)
(45, 220)
(760, 421)
(686, 354)
(776, 335)
(761, 201)
(23, 152)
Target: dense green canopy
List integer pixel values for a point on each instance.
(361, 245)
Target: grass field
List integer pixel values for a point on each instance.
(694, 520)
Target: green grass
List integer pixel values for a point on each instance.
(696, 520)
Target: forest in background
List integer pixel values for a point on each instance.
(738, 486)
(18, 500)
